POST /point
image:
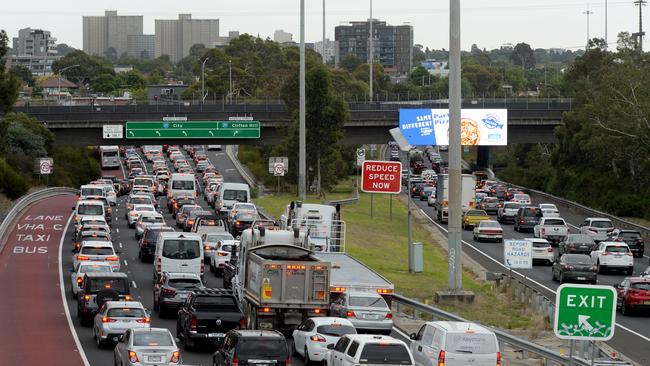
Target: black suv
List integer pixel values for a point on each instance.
(206, 315)
(632, 238)
(172, 289)
(99, 287)
(147, 242)
(242, 346)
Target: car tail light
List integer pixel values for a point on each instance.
(86, 297)
(133, 357)
(441, 358)
(549, 249)
(193, 323)
(287, 362)
(317, 338)
(80, 280)
(166, 291)
(630, 254)
(351, 314)
(176, 357)
(128, 297)
(389, 316)
(498, 359)
(222, 254)
(82, 258)
(145, 242)
(605, 254)
(235, 361)
(112, 259)
(146, 320)
(566, 266)
(522, 221)
(242, 323)
(106, 319)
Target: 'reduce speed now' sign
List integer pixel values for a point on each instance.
(381, 177)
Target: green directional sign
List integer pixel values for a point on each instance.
(585, 312)
(193, 129)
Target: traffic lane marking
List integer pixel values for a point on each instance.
(34, 304)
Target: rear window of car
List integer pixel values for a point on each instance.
(152, 339)
(213, 238)
(522, 197)
(182, 283)
(336, 330)
(144, 208)
(226, 248)
(554, 222)
(97, 250)
(366, 301)
(577, 259)
(384, 354)
(186, 185)
(235, 195)
(476, 213)
(181, 249)
(95, 268)
(511, 205)
(489, 224)
(640, 285)
(473, 343)
(601, 224)
(262, 348)
(126, 313)
(214, 302)
(617, 249)
(92, 191)
(540, 244)
(630, 235)
(532, 212)
(98, 284)
(152, 235)
(140, 200)
(89, 209)
(153, 219)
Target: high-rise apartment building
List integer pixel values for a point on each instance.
(392, 45)
(142, 46)
(281, 36)
(36, 50)
(174, 37)
(108, 35)
(330, 51)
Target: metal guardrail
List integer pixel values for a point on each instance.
(504, 337)
(24, 202)
(240, 168)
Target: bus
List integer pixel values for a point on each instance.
(110, 156)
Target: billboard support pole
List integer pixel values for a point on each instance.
(408, 216)
(455, 208)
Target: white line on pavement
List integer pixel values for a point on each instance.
(133, 284)
(126, 263)
(80, 349)
(117, 229)
(120, 245)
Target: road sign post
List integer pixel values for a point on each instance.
(585, 312)
(193, 129)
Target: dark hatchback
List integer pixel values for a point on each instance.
(147, 242)
(577, 244)
(632, 238)
(575, 268)
(253, 347)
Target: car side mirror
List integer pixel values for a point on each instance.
(120, 338)
(178, 340)
(72, 208)
(413, 336)
(330, 346)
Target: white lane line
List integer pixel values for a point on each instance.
(80, 349)
(133, 284)
(117, 229)
(126, 263)
(527, 277)
(120, 245)
(399, 331)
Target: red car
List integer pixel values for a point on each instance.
(634, 295)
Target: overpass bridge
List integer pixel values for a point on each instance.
(528, 122)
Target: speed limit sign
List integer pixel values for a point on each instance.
(43, 166)
(361, 156)
(278, 169)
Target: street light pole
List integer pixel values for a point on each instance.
(455, 209)
(58, 95)
(302, 143)
(370, 54)
(203, 80)
(230, 80)
(324, 48)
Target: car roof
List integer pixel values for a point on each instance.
(638, 279)
(322, 320)
(452, 326)
(107, 275)
(537, 240)
(628, 231)
(151, 330)
(364, 294)
(598, 219)
(373, 337)
(94, 263)
(124, 304)
(176, 234)
(95, 243)
(614, 243)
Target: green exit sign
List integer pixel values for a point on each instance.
(193, 129)
(585, 312)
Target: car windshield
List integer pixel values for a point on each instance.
(474, 343)
(336, 329)
(374, 353)
(145, 208)
(601, 224)
(98, 284)
(577, 259)
(92, 191)
(126, 313)
(186, 185)
(640, 285)
(152, 339)
(140, 200)
(489, 224)
(213, 238)
(94, 268)
(97, 250)
(630, 235)
(366, 301)
(153, 219)
(617, 249)
(185, 282)
(554, 222)
(181, 249)
(265, 348)
(90, 209)
(235, 195)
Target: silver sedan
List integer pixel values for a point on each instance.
(153, 346)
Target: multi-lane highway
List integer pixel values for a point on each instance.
(632, 336)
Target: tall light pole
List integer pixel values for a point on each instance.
(455, 209)
(641, 33)
(606, 44)
(230, 80)
(370, 54)
(588, 13)
(58, 96)
(324, 48)
(203, 80)
(302, 143)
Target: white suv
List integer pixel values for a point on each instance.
(372, 349)
(610, 254)
(597, 228)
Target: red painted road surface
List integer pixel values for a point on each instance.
(34, 329)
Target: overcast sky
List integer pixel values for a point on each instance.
(489, 24)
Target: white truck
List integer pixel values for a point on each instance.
(322, 223)
(553, 229)
(441, 205)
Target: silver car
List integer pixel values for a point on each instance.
(152, 346)
(367, 311)
(508, 212)
(116, 317)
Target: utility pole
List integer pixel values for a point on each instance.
(455, 208)
(588, 13)
(230, 79)
(641, 33)
(606, 8)
(370, 60)
(302, 144)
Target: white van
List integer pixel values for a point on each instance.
(91, 190)
(181, 184)
(229, 193)
(88, 208)
(455, 344)
(178, 252)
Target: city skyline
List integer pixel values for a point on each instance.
(510, 21)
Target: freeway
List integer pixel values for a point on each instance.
(632, 337)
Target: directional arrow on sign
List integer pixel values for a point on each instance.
(211, 134)
(131, 133)
(584, 324)
(157, 132)
(184, 133)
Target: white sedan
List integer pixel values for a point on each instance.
(542, 250)
(488, 230)
(77, 274)
(134, 214)
(311, 338)
(549, 210)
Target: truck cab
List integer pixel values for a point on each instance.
(322, 224)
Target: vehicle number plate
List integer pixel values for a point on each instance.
(371, 316)
(182, 296)
(154, 358)
(581, 278)
(215, 335)
(646, 303)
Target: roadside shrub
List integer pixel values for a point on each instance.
(12, 184)
(73, 166)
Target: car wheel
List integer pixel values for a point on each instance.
(475, 238)
(561, 278)
(624, 309)
(98, 340)
(307, 360)
(554, 277)
(600, 268)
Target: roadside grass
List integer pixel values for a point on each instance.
(638, 220)
(381, 243)
(5, 203)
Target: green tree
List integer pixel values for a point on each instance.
(22, 73)
(484, 79)
(419, 76)
(515, 78)
(8, 83)
(522, 55)
(88, 66)
(105, 83)
(350, 62)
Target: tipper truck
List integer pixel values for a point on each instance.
(441, 205)
(279, 282)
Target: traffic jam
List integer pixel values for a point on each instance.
(591, 250)
(173, 264)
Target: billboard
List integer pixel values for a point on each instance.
(484, 127)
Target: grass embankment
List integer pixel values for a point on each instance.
(639, 221)
(380, 243)
(5, 203)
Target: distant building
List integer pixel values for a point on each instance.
(107, 35)
(58, 87)
(165, 92)
(436, 67)
(122, 69)
(331, 52)
(141, 46)
(392, 45)
(224, 41)
(174, 37)
(34, 49)
(281, 36)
